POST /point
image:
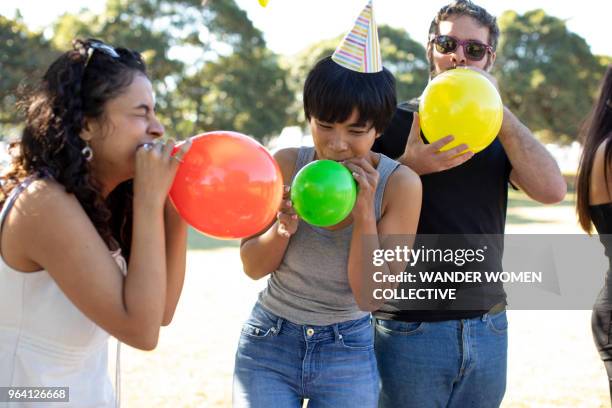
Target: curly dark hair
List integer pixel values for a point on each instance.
(77, 85)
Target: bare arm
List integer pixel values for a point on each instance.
(176, 251)
(262, 254)
(56, 233)
(68, 246)
(534, 169)
(402, 207)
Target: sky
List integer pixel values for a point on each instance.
(291, 25)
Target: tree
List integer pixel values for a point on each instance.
(547, 74)
(209, 65)
(406, 59)
(23, 55)
(243, 92)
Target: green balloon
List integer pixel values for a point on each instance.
(323, 193)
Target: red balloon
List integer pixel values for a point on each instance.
(228, 185)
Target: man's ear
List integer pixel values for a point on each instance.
(492, 57)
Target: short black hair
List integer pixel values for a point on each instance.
(332, 92)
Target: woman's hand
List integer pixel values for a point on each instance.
(287, 218)
(155, 170)
(366, 177)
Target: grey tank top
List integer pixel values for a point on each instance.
(311, 285)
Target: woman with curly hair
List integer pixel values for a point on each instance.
(594, 207)
(89, 245)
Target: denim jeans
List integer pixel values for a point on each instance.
(279, 364)
(455, 364)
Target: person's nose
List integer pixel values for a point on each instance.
(458, 56)
(156, 129)
(338, 143)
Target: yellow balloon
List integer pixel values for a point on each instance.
(263, 3)
(463, 103)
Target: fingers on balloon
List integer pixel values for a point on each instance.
(182, 151)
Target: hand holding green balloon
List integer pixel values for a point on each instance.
(323, 193)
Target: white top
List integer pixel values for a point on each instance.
(45, 341)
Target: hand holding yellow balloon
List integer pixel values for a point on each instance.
(463, 103)
(263, 3)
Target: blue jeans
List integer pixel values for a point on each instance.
(455, 364)
(279, 364)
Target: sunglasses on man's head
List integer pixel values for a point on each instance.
(472, 49)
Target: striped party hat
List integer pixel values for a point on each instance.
(359, 50)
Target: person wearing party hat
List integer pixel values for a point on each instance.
(310, 335)
(455, 355)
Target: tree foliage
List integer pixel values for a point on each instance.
(23, 56)
(547, 74)
(211, 68)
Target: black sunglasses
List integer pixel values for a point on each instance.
(474, 50)
(94, 45)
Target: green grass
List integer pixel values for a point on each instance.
(518, 199)
(199, 241)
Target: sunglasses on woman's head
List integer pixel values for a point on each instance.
(472, 49)
(93, 46)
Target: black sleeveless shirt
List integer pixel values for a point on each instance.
(468, 199)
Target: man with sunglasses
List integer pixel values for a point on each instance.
(456, 355)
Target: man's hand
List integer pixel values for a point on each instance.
(427, 158)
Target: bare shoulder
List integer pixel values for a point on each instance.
(42, 211)
(599, 162)
(600, 154)
(599, 186)
(403, 187)
(404, 181)
(45, 207)
(286, 159)
(46, 198)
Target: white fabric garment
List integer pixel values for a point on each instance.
(45, 341)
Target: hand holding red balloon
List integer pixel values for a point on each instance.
(287, 218)
(155, 169)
